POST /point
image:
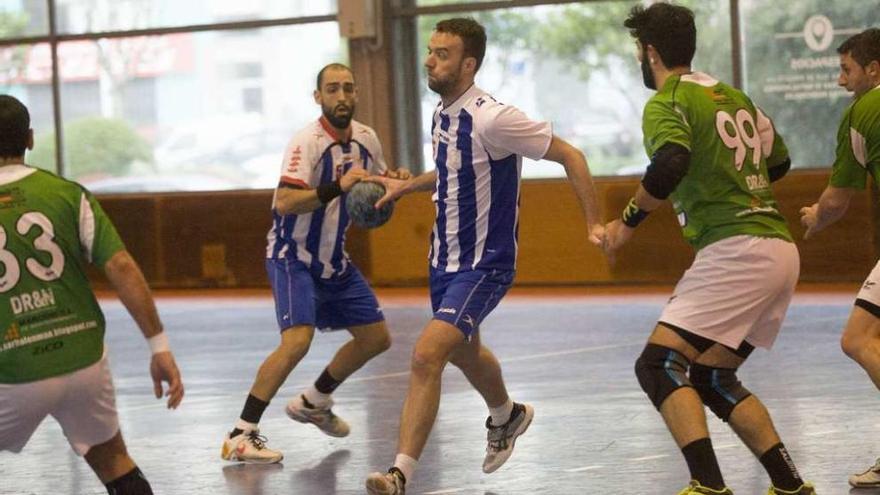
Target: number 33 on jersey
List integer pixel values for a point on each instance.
(50, 322)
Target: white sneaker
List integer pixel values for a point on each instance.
(390, 483)
(868, 479)
(501, 439)
(249, 447)
(322, 417)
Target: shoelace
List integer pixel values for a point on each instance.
(497, 444)
(257, 440)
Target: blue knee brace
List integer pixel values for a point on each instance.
(661, 371)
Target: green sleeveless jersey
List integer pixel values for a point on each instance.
(858, 143)
(50, 322)
(726, 191)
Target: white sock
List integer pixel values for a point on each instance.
(245, 426)
(407, 465)
(316, 398)
(501, 414)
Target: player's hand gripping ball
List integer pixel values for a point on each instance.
(360, 205)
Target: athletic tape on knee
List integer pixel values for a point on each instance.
(661, 371)
(719, 388)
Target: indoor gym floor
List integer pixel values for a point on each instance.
(568, 352)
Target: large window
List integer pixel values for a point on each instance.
(19, 18)
(89, 16)
(203, 94)
(206, 107)
(190, 111)
(791, 68)
(17, 66)
(574, 65)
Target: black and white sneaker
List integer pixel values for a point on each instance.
(391, 483)
(501, 439)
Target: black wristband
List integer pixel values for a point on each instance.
(632, 215)
(328, 191)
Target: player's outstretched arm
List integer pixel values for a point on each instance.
(831, 206)
(126, 277)
(619, 230)
(296, 201)
(395, 188)
(578, 172)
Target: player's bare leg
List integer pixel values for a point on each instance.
(507, 420)
(683, 410)
(313, 406)
(482, 370)
(861, 342)
(430, 355)
(662, 372)
(432, 351)
(244, 443)
(116, 469)
(295, 343)
(749, 419)
(368, 342)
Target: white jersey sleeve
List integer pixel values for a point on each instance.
(378, 165)
(300, 156)
(506, 130)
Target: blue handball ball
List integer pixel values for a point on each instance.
(360, 203)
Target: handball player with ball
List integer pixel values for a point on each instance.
(313, 280)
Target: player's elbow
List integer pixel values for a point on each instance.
(572, 157)
(836, 207)
(835, 201)
(778, 171)
(667, 169)
(290, 206)
(122, 270)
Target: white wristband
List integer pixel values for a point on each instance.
(159, 343)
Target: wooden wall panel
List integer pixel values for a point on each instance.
(218, 239)
(846, 250)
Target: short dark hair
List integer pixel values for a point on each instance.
(471, 33)
(864, 47)
(15, 124)
(670, 29)
(334, 66)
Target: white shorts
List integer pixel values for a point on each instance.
(83, 402)
(738, 289)
(870, 290)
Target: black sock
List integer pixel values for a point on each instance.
(325, 383)
(130, 483)
(781, 469)
(701, 461)
(251, 412)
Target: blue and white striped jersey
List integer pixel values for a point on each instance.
(314, 156)
(478, 148)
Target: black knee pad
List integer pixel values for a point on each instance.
(661, 371)
(719, 388)
(131, 483)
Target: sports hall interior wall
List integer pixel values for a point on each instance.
(218, 239)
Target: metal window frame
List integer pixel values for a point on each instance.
(404, 14)
(53, 38)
